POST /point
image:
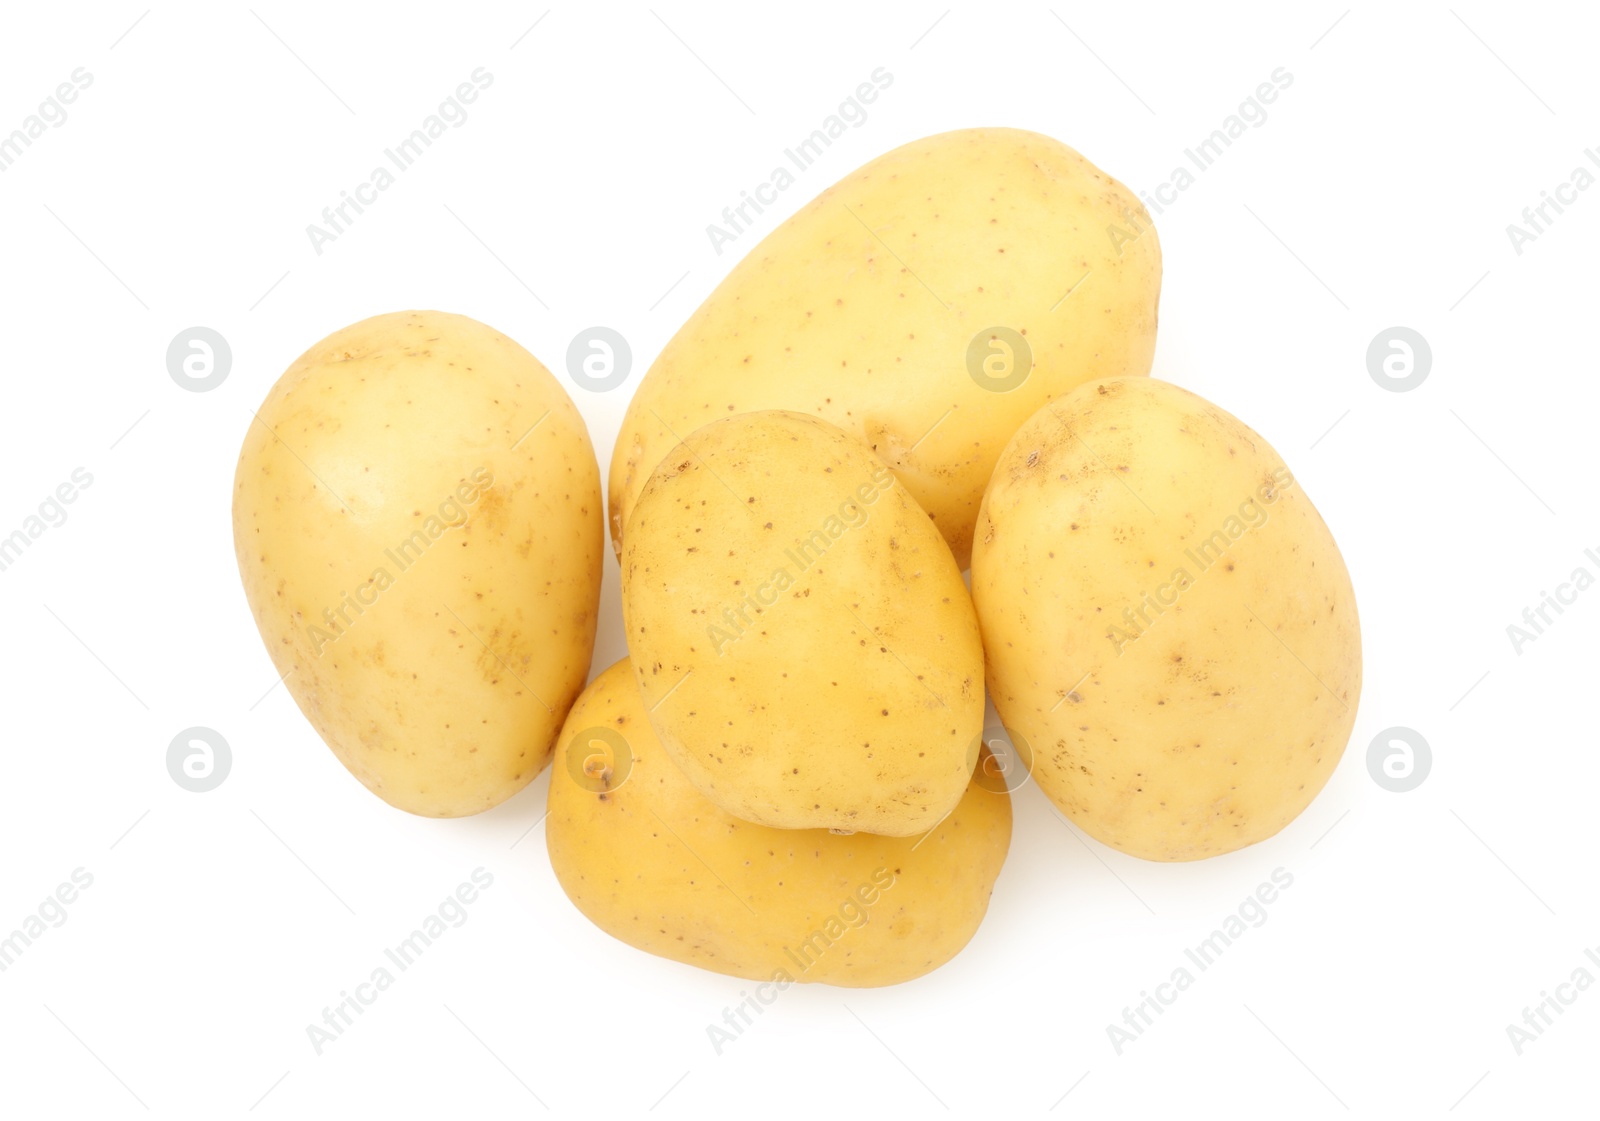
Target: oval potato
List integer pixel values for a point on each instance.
(1166, 619)
(807, 649)
(875, 308)
(653, 863)
(417, 521)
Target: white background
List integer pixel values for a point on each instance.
(219, 925)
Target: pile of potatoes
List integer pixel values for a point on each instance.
(940, 363)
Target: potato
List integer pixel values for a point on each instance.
(1167, 621)
(653, 863)
(929, 302)
(417, 520)
(808, 652)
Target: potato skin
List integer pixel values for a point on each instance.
(802, 671)
(653, 863)
(428, 590)
(841, 313)
(1205, 717)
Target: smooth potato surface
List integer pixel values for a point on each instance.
(418, 527)
(865, 307)
(807, 649)
(653, 863)
(1167, 621)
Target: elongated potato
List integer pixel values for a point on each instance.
(653, 863)
(806, 646)
(417, 520)
(1166, 619)
(928, 302)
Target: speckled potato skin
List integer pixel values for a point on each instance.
(841, 313)
(854, 698)
(1209, 719)
(445, 692)
(653, 863)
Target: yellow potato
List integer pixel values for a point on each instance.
(1167, 621)
(653, 863)
(902, 305)
(806, 646)
(417, 520)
